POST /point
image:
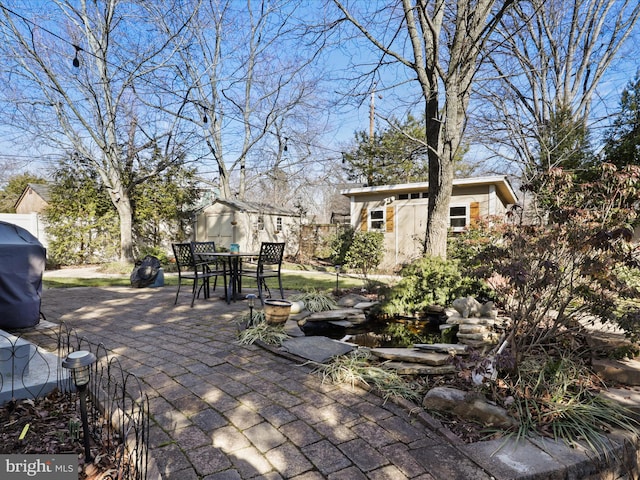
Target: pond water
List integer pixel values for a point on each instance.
(383, 331)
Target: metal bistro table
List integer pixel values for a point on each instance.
(234, 261)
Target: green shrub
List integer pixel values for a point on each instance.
(365, 252)
(468, 247)
(431, 281)
(339, 244)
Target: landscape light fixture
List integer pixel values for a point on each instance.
(79, 362)
(337, 276)
(252, 301)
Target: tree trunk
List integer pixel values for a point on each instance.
(440, 187)
(122, 202)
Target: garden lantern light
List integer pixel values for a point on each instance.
(252, 301)
(79, 362)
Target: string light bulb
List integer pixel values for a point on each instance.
(76, 60)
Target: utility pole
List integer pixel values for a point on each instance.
(372, 110)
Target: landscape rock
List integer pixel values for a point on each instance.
(470, 307)
(351, 314)
(478, 324)
(625, 371)
(456, 318)
(365, 305)
(467, 405)
(409, 368)
(412, 355)
(488, 337)
(351, 300)
(450, 348)
(467, 328)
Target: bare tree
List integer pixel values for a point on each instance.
(440, 43)
(74, 77)
(550, 57)
(244, 75)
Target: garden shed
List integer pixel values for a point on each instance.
(400, 211)
(22, 264)
(248, 224)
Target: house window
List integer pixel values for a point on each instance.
(376, 219)
(458, 219)
(260, 225)
(403, 196)
(279, 224)
(415, 195)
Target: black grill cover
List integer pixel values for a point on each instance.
(22, 262)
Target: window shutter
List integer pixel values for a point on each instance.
(390, 219)
(474, 211)
(364, 216)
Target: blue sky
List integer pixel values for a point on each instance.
(355, 116)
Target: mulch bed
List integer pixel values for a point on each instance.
(54, 427)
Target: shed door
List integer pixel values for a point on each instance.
(219, 229)
(411, 224)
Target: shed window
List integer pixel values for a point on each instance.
(458, 217)
(260, 225)
(279, 224)
(403, 196)
(376, 219)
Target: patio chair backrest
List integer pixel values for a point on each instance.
(203, 247)
(271, 254)
(184, 256)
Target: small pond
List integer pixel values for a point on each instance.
(385, 331)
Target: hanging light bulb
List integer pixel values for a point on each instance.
(76, 60)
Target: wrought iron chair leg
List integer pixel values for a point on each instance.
(195, 289)
(260, 296)
(178, 292)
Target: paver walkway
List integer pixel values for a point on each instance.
(227, 411)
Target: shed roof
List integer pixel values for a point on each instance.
(41, 189)
(500, 181)
(257, 207)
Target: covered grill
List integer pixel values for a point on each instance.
(22, 263)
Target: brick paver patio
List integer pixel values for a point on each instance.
(221, 410)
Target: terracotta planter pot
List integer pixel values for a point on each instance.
(276, 311)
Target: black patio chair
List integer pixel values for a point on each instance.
(214, 264)
(195, 268)
(269, 265)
